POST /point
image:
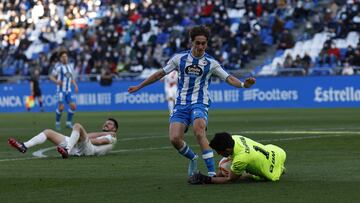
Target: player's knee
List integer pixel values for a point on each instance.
(73, 107)
(47, 132)
(77, 126)
(176, 141)
(61, 108)
(199, 130)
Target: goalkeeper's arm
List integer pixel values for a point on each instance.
(226, 179)
(199, 178)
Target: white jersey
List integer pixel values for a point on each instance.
(65, 73)
(170, 85)
(171, 79)
(88, 149)
(194, 76)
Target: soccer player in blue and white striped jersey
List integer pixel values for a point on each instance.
(195, 69)
(64, 76)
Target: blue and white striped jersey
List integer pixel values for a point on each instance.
(194, 76)
(65, 73)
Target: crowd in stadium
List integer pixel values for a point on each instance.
(132, 36)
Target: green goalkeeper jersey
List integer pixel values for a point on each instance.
(265, 161)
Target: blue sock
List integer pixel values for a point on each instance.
(58, 115)
(70, 115)
(208, 157)
(187, 152)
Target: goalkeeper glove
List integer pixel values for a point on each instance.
(198, 178)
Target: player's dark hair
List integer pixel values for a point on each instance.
(222, 141)
(199, 30)
(62, 52)
(115, 122)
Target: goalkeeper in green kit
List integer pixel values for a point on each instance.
(250, 160)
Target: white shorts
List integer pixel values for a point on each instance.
(82, 148)
(170, 92)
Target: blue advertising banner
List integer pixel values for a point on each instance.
(279, 92)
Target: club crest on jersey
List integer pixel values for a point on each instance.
(68, 75)
(204, 63)
(193, 71)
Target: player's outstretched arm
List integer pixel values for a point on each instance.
(231, 80)
(151, 79)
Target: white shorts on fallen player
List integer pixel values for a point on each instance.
(86, 148)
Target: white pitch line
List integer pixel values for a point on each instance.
(260, 140)
(255, 132)
(140, 149)
(19, 159)
(40, 153)
(301, 132)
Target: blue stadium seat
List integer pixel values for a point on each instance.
(10, 70)
(34, 56)
(289, 25)
(46, 48)
(162, 38)
(279, 53)
(256, 70)
(343, 53)
(268, 40)
(234, 20)
(264, 32)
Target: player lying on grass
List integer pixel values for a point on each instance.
(250, 160)
(78, 144)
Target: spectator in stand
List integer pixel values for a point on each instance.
(286, 40)
(288, 62)
(347, 69)
(297, 62)
(349, 53)
(306, 63)
(134, 32)
(323, 58)
(356, 58)
(356, 22)
(106, 77)
(333, 51)
(277, 28)
(245, 50)
(308, 32)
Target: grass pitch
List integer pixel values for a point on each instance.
(322, 148)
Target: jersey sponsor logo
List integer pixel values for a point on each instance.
(193, 71)
(347, 94)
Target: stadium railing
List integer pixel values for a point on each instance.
(291, 71)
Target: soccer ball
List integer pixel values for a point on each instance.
(224, 166)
